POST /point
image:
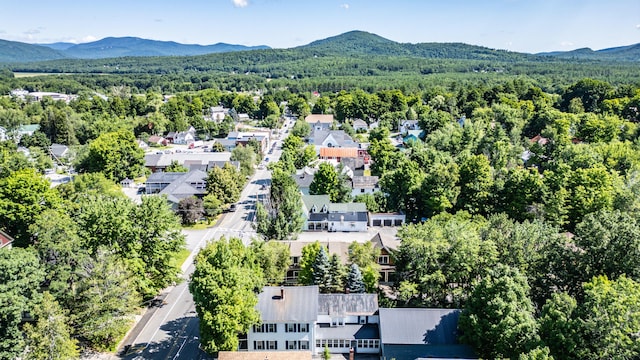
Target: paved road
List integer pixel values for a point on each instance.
(171, 330)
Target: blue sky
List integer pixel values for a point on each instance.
(517, 25)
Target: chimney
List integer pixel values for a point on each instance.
(281, 292)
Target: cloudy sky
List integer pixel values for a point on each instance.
(518, 25)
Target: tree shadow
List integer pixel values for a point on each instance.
(182, 341)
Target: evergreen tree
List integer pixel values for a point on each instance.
(337, 272)
(322, 271)
(355, 283)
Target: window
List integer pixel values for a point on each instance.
(304, 345)
(368, 344)
(258, 345)
(265, 328)
(296, 259)
(361, 190)
(383, 259)
(272, 345)
(292, 328)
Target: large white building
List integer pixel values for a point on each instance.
(300, 318)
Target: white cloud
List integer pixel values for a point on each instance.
(566, 43)
(240, 3)
(638, 26)
(345, 6)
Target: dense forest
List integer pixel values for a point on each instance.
(521, 191)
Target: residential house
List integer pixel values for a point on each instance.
(337, 153)
(360, 125)
(39, 95)
(27, 130)
(142, 145)
(323, 215)
(59, 152)
(5, 240)
(304, 178)
(332, 138)
(158, 140)
(355, 165)
(177, 186)
(347, 321)
(412, 334)
(298, 318)
(406, 125)
(242, 117)
(227, 144)
(185, 137)
(243, 138)
(319, 122)
(364, 185)
(193, 161)
(288, 319)
(217, 114)
(387, 245)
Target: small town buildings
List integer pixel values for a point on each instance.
(182, 137)
(323, 215)
(360, 125)
(298, 318)
(262, 355)
(319, 122)
(337, 153)
(304, 178)
(331, 138)
(412, 333)
(339, 248)
(386, 260)
(192, 161)
(157, 140)
(217, 114)
(177, 186)
(243, 138)
(364, 185)
(406, 125)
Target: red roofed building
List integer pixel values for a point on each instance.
(5, 240)
(334, 153)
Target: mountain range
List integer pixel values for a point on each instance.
(111, 47)
(353, 43)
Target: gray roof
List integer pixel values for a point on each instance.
(164, 160)
(369, 182)
(59, 150)
(304, 180)
(342, 138)
(348, 332)
(428, 352)
(347, 207)
(341, 248)
(181, 187)
(300, 304)
(347, 304)
(163, 177)
(412, 326)
(349, 216)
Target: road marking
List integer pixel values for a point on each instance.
(177, 336)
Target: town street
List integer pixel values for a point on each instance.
(170, 330)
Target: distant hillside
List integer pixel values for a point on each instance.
(112, 47)
(621, 53)
(364, 43)
(13, 51)
(58, 45)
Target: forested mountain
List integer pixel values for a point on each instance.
(13, 51)
(620, 53)
(112, 47)
(364, 43)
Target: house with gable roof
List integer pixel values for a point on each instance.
(299, 318)
(319, 122)
(177, 186)
(323, 215)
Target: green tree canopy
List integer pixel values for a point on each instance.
(116, 154)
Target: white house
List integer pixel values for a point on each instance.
(360, 125)
(364, 185)
(323, 215)
(299, 318)
(319, 122)
(288, 319)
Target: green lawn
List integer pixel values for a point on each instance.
(181, 257)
